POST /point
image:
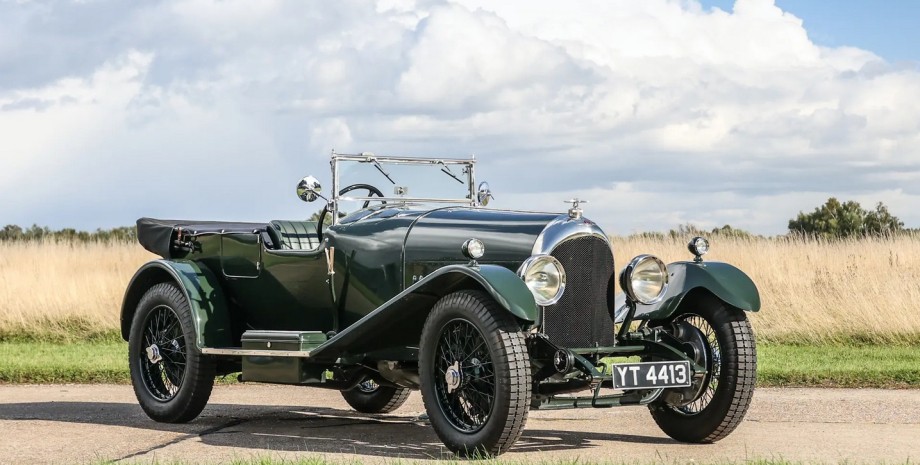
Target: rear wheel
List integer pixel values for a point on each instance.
(475, 374)
(370, 397)
(715, 404)
(172, 380)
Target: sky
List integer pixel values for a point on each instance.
(659, 112)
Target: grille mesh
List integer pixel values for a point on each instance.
(580, 318)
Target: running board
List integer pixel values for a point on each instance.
(237, 351)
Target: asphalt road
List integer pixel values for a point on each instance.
(88, 423)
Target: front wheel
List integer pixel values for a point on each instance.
(475, 374)
(722, 340)
(172, 380)
(370, 397)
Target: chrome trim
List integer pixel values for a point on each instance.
(256, 352)
(404, 199)
(333, 204)
(471, 176)
(564, 228)
(367, 157)
(576, 211)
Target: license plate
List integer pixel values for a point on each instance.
(651, 375)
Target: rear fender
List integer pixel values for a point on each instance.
(210, 314)
(398, 322)
(724, 281)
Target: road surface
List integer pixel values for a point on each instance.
(88, 423)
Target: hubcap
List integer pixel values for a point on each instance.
(153, 354)
(465, 384)
(452, 377)
(368, 386)
(163, 354)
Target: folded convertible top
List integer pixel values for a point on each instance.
(158, 236)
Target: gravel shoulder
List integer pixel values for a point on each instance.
(89, 423)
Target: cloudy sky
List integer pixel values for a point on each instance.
(659, 112)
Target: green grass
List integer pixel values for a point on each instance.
(80, 362)
(779, 365)
(839, 366)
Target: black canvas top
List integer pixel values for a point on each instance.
(157, 235)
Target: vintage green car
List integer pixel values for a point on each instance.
(490, 313)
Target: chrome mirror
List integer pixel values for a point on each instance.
(485, 194)
(308, 189)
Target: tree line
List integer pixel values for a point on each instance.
(832, 220)
(12, 232)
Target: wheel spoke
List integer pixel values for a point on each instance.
(163, 379)
(468, 405)
(714, 369)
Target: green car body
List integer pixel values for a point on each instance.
(337, 306)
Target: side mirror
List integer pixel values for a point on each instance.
(484, 195)
(308, 189)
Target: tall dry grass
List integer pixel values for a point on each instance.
(64, 290)
(860, 290)
(813, 292)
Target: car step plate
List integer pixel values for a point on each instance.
(643, 375)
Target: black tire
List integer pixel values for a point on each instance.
(726, 392)
(472, 415)
(175, 388)
(370, 397)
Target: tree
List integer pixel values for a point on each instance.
(837, 220)
(689, 230)
(11, 232)
(881, 222)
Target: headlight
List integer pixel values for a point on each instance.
(645, 279)
(473, 249)
(698, 246)
(545, 277)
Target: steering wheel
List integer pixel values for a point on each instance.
(372, 191)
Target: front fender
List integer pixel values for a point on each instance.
(210, 314)
(726, 282)
(398, 322)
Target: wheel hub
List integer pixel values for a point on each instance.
(153, 354)
(452, 377)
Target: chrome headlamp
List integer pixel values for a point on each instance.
(645, 279)
(545, 277)
(473, 249)
(698, 246)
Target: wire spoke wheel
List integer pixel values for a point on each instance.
(369, 396)
(720, 339)
(172, 379)
(466, 391)
(713, 354)
(163, 359)
(475, 374)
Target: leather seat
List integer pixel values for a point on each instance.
(293, 235)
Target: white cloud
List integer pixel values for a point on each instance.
(659, 111)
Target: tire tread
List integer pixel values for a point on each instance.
(740, 370)
(512, 356)
(200, 370)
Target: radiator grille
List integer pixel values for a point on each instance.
(581, 317)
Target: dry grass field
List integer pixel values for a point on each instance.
(851, 291)
(812, 292)
(58, 289)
